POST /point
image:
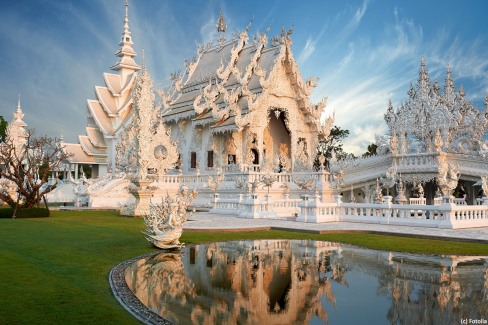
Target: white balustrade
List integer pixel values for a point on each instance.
(417, 200)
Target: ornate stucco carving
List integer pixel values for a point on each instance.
(448, 176)
(439, 121)
(146, 142)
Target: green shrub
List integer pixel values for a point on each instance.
(25, 213)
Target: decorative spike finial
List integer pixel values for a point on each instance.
(422, 62)
(18, 115)
(249, 25)
(221, 26)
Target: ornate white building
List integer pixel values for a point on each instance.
(16, 129)
(109, 113)
(237, 124)
(242, 104)
(435, 136)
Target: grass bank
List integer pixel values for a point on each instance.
(55, 270)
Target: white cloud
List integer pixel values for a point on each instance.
(356, 19)
(307, 51)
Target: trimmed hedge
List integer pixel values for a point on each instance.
(25, 213)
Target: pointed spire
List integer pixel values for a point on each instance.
(18, 115)
(221, 28)
(423, 82)
(126, 53)
(449, 95)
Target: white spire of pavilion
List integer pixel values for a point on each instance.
(18, 115)
(126, 53)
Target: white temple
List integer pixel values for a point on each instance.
(237, 125)
(16, 129)
(241, 103)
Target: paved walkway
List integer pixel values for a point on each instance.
(207, 221)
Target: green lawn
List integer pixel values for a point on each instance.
(55, 270)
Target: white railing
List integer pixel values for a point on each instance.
(285, 207)
(437, 216)
(311, 209)
(226, 206)
(460, 201)
(417, 160)
(252, 206)
(417, 200)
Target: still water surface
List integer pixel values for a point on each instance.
(309, 282)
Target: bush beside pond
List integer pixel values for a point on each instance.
(25, 213)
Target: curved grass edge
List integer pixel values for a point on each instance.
(404, 243)
(127, 298)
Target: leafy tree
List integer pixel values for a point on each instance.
(371, 150)
(3, 129)
(25, 169)
(332, 143)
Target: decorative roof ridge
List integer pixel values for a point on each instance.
(94, 142)
(87, 150)
(109, 84)
(102, 102)
(96, 117)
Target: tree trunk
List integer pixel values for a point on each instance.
(47, 207)
(16, 206)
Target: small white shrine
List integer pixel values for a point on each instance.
(435, 144)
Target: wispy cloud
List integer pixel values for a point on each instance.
(356, 19)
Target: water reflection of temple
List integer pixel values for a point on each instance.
(291, 282)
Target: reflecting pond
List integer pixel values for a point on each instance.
(309, 282)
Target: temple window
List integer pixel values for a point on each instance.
(193, 159)
(231, 159)
(210, 155)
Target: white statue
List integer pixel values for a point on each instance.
(378, 195)
(337, 168)
(214, 182)
(390, 180)
(448, 176)
(165, 221)
(304, 184)
(420, 190)
(268, 180)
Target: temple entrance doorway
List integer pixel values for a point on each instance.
(277, 141)
(256, 156)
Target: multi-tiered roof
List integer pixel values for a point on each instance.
(225, 81)
(109, 112)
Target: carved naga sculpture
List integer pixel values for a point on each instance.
(165, 221)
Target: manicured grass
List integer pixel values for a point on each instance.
(55, 270)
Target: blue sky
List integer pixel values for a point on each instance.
(54, 52)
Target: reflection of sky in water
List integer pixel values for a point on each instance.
(352, 306)
(311, 282)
